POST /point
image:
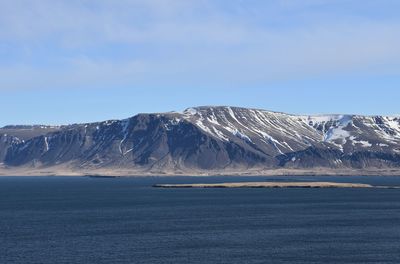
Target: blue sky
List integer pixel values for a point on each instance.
(77, 61)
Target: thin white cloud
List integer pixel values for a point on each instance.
(183, 42)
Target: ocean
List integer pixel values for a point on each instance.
(48, 220)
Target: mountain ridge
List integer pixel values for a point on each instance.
(209, 139)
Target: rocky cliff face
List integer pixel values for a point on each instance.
(13, 135)
(210, 138)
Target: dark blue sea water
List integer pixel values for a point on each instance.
(48, 220)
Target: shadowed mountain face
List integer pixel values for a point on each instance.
(12, 135)
(209, 138)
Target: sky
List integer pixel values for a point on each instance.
(72, 61)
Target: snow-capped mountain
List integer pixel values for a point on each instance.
(209, 138)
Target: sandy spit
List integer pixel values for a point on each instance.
(268, 185)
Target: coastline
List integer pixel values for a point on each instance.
(119, 172)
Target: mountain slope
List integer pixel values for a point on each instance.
(12, 135)
(212, 139)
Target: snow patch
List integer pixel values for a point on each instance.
(241, 135)
(200, 124)
(232, 114)
(46, 143)
(272, 141)
(337, 131)
(364, 143)
(220, 134)
(338, 161)
(124, 124)
(190, 111)
(213, 119)
(126, 152)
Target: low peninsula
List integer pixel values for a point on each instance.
(270, 185)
